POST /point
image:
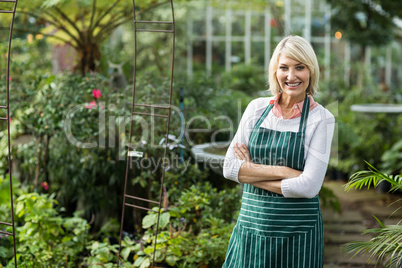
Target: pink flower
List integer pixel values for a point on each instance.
(9, 79)
(45, 185)
(90, 105)
(9, 120)
(97, 94)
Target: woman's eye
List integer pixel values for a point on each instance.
(283, 68)
(300, 68)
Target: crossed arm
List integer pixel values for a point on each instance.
(262, 176)
(238, 165)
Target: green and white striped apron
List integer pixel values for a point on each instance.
(273, 231)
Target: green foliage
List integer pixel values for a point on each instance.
(392, 159)
(29, 59)
(6, 246)
(329, 200)
(179, 248)
(193, 233)
(190, 234)
(385, 245)
(187, 183)
(202, 200)
(50, 152)
(102, 253)
(152, 219)
(249, 79)
(85, 24)
(365, 23)
(45, 238)
(5, 199)
(182, 178)
(358, 135)
(373, 177)
(212, 107)
(55, 154)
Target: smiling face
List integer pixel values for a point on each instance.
(293, 77)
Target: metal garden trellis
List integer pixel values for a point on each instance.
(167, 107)
(8, 119)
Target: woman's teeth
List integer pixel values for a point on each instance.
(293, 85)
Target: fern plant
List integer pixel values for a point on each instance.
(386, 245)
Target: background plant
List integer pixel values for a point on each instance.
(83, 25)
(359, 135)
(45, 238)
(194, 232)
(385, 245)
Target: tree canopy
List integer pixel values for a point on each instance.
(366, 22)
(83, 24)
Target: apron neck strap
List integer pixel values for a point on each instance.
(304, 115)
(303, 119)
(262, 117)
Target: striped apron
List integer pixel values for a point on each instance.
(273, 231)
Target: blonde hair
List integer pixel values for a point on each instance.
(298, 49)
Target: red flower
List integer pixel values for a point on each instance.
(45, 185)
(271, 101)
(97, 94)
(90, 105)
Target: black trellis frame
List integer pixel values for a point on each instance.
(8, 119)
(131, 148)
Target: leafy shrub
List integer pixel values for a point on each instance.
(45, 239)
(193, 233)
(212, 107)
(359, 135)
(249, 79)
(6, 243)
(102, 253)
(55, 156)
(392, 159)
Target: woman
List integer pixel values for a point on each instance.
(281, 152)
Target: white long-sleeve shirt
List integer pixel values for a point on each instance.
(319, 133)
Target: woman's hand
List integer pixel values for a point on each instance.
(242, 153)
